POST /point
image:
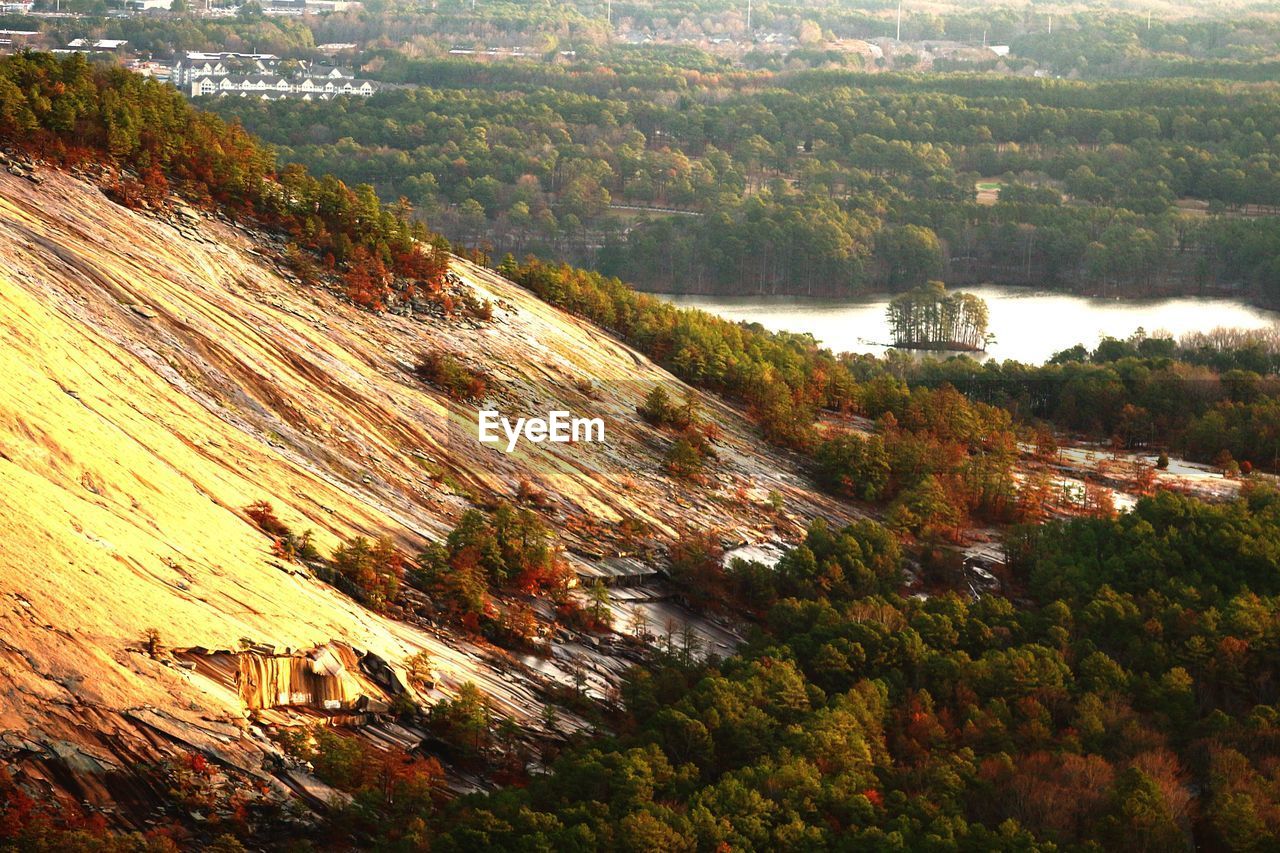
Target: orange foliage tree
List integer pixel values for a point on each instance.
(367, 280)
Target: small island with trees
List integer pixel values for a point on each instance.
(930, 318)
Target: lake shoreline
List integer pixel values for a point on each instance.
(1158, 295)
(939, 347)
(1030, 325)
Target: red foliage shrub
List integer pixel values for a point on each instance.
(367, 280)
(264, 515)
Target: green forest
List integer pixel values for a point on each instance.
(1139, 667)
(817, 181)
(857, 720)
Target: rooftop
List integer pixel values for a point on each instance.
(99, 44)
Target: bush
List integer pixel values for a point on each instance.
(419, 668)
(684, 460)
(372, 571)
(264, 515)
(511, 550)
(465, 722)
(444, 371)
(697, 568)
(286, 545)
(575, 617)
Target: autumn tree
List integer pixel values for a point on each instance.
(367, 280)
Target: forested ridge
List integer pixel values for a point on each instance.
(149, 140)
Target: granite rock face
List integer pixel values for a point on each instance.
(159, 372)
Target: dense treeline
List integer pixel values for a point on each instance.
(1211, 398)
(818, 181)
(1132, 707)
(1230, 47)
(931, 318)
(168, 36)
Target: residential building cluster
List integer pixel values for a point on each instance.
(270, 87)
(265, 76)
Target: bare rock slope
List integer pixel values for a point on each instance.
(156, 378)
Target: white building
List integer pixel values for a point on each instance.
(272, 87)
(198, 64)
(87, 45)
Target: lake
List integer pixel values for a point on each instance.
(1029, 325)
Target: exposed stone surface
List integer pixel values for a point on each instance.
(153, 384)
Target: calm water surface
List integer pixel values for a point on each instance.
(1029, 325)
